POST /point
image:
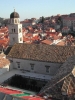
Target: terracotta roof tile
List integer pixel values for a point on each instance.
(46, 42)
(42, 52)
(3, 62)
(62, 43)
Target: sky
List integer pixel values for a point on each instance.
(36, 8)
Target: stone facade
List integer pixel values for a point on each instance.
(35, 66)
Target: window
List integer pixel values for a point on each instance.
(20, 30)
(13, 39)
(18, 64)
(21, 39)
(32, 66)
(14, 30)
(15, 21)
(47, 69)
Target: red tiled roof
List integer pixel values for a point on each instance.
(35, 38)
(69, 18)
(3, 29)
(4, 42)
(26, 39)
(62, 43)
(55, 37)
(51, 33)
(29, 35)
(3, 62)
(46, 42)
(30, 39)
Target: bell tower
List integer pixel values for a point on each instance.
(15, 29)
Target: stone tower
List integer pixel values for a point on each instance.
(15, 29)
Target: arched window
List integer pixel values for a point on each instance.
(47, 68)
(21, 39)
(19, 30)
(14, 30)
(15, 20)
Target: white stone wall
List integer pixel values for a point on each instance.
(39, 67)
(14, 20)
(17, 36)
(13, 39)
(16, 27)
(4, 69)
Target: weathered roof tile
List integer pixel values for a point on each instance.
(41, 52)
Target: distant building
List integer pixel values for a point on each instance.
(65, 30)
(69, 22)
(26, 23)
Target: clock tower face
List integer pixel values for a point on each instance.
(15, 29)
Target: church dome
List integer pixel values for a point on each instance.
(14, 15)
